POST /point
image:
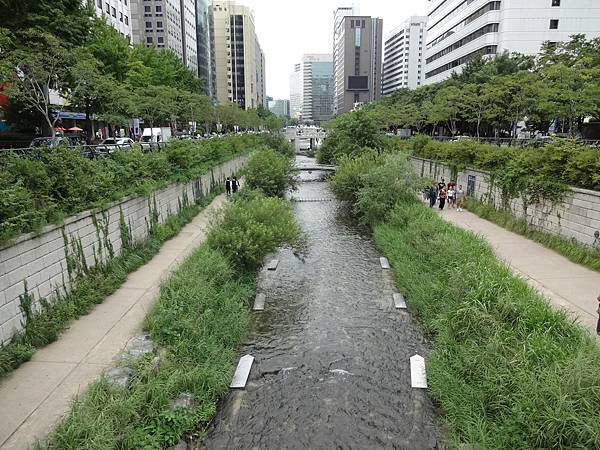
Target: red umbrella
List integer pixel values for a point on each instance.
(75, 129)
(60, 129)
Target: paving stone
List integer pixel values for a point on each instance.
(259, 302)
(385, 264)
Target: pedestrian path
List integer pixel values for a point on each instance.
(566, 284)
(35, 396)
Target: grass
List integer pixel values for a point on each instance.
(201, 316)
(571, 249)
(507, 370)
(46, 325)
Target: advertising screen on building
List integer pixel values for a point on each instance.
(358, 83)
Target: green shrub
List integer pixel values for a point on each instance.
(253, 226)
(270, 172)
(61, 182)
(348, 180)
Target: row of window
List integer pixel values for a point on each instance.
(487, 50)
(111, 10)
(489, 28)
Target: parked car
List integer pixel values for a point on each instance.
(50, 142)
(111, 144)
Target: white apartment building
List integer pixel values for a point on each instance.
(459, 29)
(296, 92)
(116, 12)
(403, 63)
(167, 24)
(239, 60)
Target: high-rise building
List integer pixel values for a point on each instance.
(167, 24)
(116, 12)
(458, 30)
(239, 61)
(280, 108)
(296, 92)
(403, 62)
(317, 87)
(204, 45)
(357, 63)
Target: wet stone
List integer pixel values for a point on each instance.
(139, 346)
(184, 401)
(242, 372)
(259, 302)
(119, 376)
(385, 264)
(399, 301)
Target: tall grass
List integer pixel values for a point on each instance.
(571, 249)
(199, 319)
(508, 371)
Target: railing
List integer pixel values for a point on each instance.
(509, 142)
(88, 151)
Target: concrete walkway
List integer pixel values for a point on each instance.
(567, 285)
(34, 397)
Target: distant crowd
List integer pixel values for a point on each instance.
(444, 194)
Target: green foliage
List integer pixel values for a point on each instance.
(589, 257)
(62, 182)
(199, 320)
(348, 178)
(507, 370)
(43, 325)
(269, 172)
(253, 226)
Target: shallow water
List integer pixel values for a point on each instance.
(331, 366)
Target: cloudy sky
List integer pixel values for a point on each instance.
(289, 28)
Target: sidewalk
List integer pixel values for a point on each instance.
(34, 397)
(566, 284)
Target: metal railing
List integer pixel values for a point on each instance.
(88, 151)
(509, 142)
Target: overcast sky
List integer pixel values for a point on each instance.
(289, 28)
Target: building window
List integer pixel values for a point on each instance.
(147, 11)
(126, 20)
(149, 40)
(554, 24)
(114, 12)
(148, 25)
(121, 16)
(555, 2)
(161, 40)
(99, 3)
(107, 8)
(159, 24)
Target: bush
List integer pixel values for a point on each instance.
(253, 226)
(61, 182)
(348, 180)
(270, 172)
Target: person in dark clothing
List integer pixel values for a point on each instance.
(235, 184)
(598, 324)
(228, 186)
(441, 185)
(442, 196)
(432, 196)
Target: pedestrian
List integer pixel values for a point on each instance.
(442, 197)
(451, 197)
(441, 185)
(433, 193)
(598, 324)
(460, 198)
(235, 184)
(228, 186)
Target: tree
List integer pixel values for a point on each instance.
(38, 71)
(476, 102)
(447, 105)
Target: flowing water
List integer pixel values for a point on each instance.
(331, 367)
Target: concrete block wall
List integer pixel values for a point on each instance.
(577, 217)
(39, 260)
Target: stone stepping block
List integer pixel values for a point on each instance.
(399, 302)
(418, 375)
(273, 264)
(385, 264)
(259, 302)
(240, 377)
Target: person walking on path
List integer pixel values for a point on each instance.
(442, 195)
(460, 198)
(451, 197)
(432, 195)
(228, 184)
(235, 184)
(598, 324)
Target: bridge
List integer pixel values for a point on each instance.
(316, 167)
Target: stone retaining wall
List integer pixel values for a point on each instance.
(40, 260)
(577, 217)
